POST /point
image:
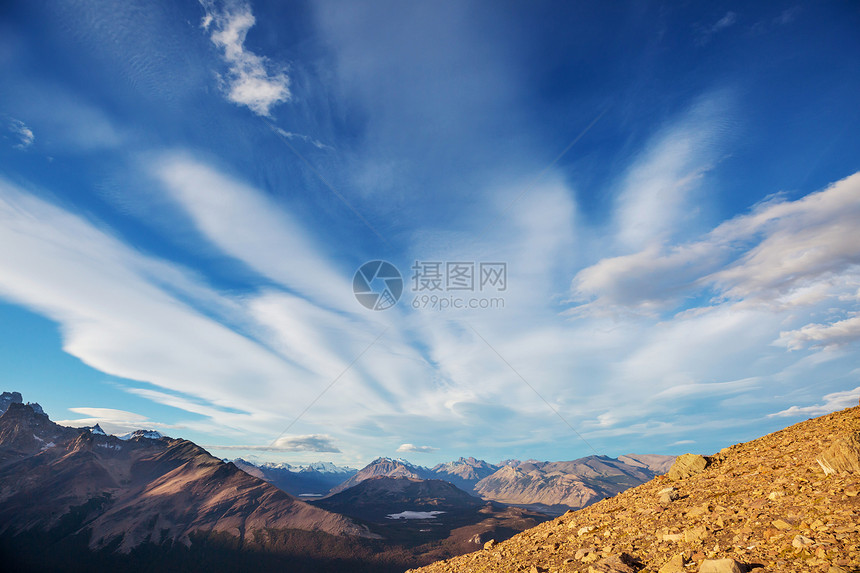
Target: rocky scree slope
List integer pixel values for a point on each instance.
(785, 502)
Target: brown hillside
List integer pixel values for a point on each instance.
(766, 504)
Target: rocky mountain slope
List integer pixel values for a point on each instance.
(785, 502)
(141, 490)
(384, 467)
(465, 473)
(573, 484)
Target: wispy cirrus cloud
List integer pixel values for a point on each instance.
(707, 33)
(244, 223)
(660, 191)
(251, 80)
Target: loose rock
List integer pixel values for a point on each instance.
(720, 566)
(674, 565)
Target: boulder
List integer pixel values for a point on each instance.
(674, 565)
(687, 465)
(843, 455)
(668, 495)
(621, 563)
(720, 566)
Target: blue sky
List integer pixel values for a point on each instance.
(187, 190)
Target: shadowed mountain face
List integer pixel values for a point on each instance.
(433, 517)
(376, 498)
(125, 493)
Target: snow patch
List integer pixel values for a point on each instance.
(109, 446)
(415, 515)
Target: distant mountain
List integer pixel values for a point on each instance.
(328, 468)
(465, 473)
(315, 479)
(384, 467)
(655, 463)
(561, 485)
(121, 494)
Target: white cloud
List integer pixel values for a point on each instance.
(251, 80)
(835, 334)
(705, 389)
(306, 138)
(70, 124)
(782, 254)
(411, 448)
(832, 402)
(307, 443)
(23, 133)
(659, 192)
(727, 21)
(112, 421)
(114, 305)
(109, 414)
(246, 224)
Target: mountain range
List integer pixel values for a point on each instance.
(314, 480)
(108, 500)
(551, 487)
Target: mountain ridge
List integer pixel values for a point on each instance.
(136, 491)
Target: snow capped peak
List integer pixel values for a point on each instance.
(97, 431)
(328, 467)
(149, 434)
(321, 467)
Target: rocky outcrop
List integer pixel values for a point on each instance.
(843, 455)
(765, 505)
(687, 465)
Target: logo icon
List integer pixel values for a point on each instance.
(377, 285)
